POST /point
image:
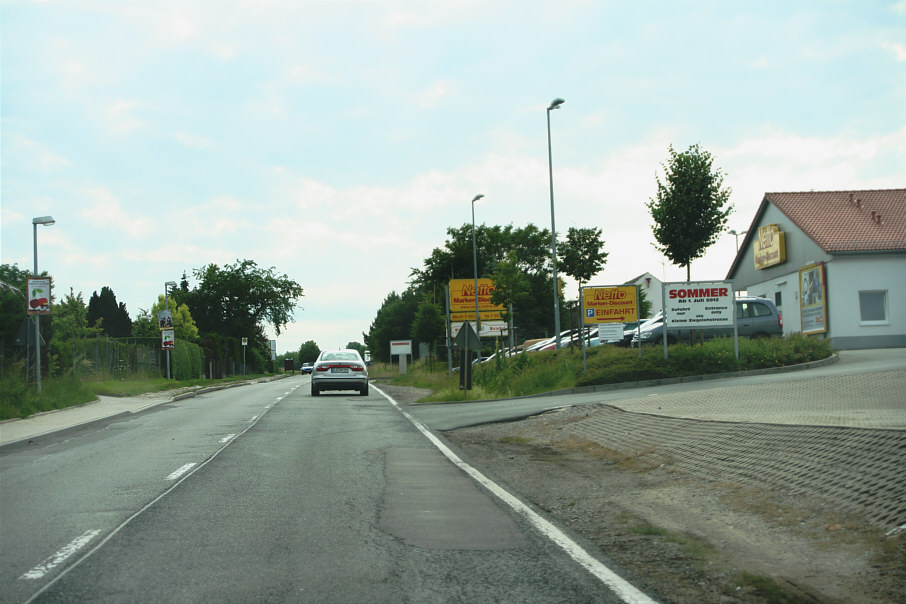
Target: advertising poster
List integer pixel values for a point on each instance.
(699, 305)
(462, 307)
(616, 304)
(813, 298)
(38, 296)
(165, 319)
(167, 339)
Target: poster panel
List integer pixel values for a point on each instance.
(165, 319)
(489, 329)
(813, 298)
(462, 295)
(38, 296)
(167, 339)
(699, 304)
(611, 304)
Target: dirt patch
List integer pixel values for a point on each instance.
(685, 536)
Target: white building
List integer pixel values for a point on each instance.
(834, 262)
(651, 287)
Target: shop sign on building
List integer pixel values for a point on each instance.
(770, 247)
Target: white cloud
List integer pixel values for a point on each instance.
(899, 51)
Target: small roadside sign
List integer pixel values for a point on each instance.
(467, 338)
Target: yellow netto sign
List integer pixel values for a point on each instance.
(462, 296)
(770, 247)
(618, 304)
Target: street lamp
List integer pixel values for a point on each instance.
(555, 104)
(167, 286)
(475, 265)
(735, 234)
(46, 221)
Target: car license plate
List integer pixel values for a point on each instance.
(339, 370)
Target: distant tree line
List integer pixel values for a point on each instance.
(227, 304)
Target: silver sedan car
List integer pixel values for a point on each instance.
(339, 370)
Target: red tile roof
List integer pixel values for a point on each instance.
(848, 221)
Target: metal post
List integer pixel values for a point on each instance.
(46, 221)
(550, 164)
(475, 272)
(37, 320)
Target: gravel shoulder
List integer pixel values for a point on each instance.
(686, 517)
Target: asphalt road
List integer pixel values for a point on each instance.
(266, 494)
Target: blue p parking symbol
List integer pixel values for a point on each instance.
(589, 312)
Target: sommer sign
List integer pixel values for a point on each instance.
(702, 304)
(619, 304)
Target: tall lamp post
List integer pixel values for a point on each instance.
(735, 234)
(167, 286)
(46, 221)
(555, 104)
(475, 266)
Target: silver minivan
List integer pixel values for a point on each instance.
(755, 318)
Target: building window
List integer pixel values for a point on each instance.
(873, 307)
(778, 300)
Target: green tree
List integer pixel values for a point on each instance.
(183, 323)
(429, 324)
(144, 325)
(582, 255)
(531, 247)
(509, 283)
(357, 346)
(308, 352)
(239, 300)
(392, 322)
(691, 208)
(104, 312)
(12, 304)
(70, 317)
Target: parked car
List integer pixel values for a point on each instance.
(306, 367)
(755, 318)
(339, 370)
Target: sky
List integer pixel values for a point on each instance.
(337, 141)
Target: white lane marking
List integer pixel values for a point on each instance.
(227, 438)
(254, 418)
(60, 557)
(181, 470)
(621, 587)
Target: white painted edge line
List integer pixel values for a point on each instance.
(181, 470)
(227, 438)
(621, 587)
(61, 556)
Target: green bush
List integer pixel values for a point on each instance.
(531, 373)
(187, 360)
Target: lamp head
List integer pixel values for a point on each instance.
(556, 103)
(477, 197)
(45, 220)
(170, 284)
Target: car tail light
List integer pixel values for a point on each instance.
(780, 319)
(357, 367)
(322, 367)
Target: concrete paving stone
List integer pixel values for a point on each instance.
(853, 470)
